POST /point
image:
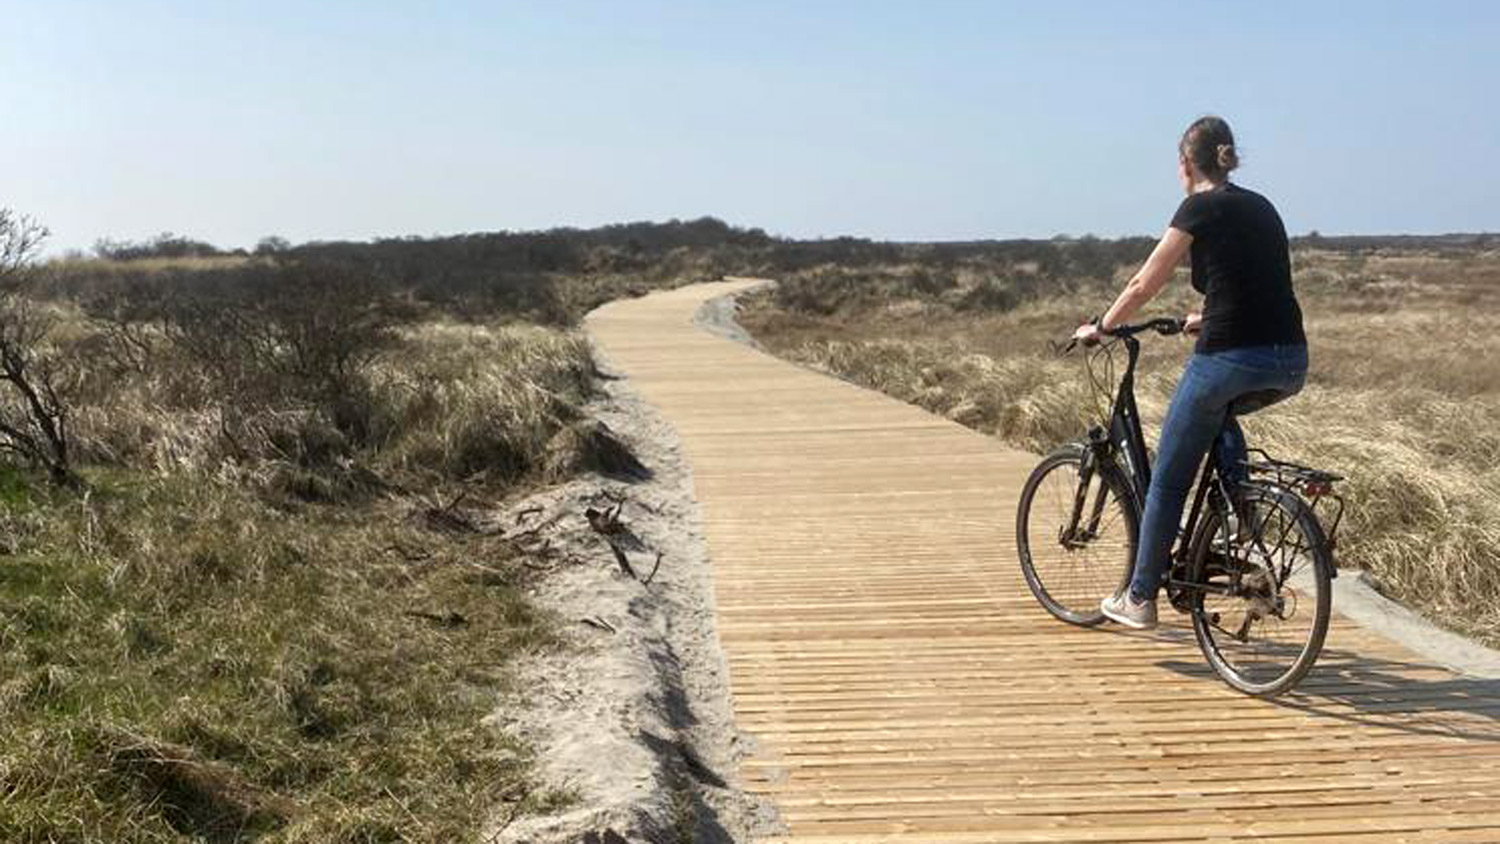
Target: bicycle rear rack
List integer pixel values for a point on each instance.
(1313, 485)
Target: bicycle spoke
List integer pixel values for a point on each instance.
(1261, 634)
(1071, 575)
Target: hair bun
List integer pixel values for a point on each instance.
(1209, 146)
(1226, 157)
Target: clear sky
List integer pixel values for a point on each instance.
(910, 120)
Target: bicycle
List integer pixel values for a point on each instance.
(1252, 564)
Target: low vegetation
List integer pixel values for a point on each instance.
(1403, 396)
(261, 612)
(250, 585)
(249, 589)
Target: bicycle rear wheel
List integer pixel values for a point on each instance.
(1070, 575)
(1263, 618)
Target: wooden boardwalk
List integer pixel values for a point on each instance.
(905, 687)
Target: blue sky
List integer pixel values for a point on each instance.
(922, 121)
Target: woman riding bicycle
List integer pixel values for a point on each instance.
(1251, 350)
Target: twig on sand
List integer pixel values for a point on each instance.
(609, 495)
(607, 524)
(654, 568)
(623, 561)
(536, 528)
(599, 623)
(516, 797)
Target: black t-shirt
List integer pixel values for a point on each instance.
(1243, 267)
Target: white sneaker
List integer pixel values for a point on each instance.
(1124, 608)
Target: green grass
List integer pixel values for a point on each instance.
(183, 661)
(268, 639)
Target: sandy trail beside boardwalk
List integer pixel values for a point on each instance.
(632, 717)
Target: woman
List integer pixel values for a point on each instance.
(1250, 351)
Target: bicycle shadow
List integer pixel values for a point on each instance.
(1410, 697)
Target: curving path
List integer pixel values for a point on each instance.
(904, 686)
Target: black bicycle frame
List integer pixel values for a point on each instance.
(1125, 434)
(1123, 446)
(1126, 438)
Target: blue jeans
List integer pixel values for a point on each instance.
(1214, 389)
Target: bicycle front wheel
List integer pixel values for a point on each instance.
(1071, 565)
(1262, 614)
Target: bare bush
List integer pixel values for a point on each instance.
(293, 330)
(20, 238)
(164, 245)
(282, 350)
(314, 379)
(128, 319)
(33, 416)
(265, 359)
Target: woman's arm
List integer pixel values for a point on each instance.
(1146, 283)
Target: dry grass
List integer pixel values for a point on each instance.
(245, 625)
(181, 660)
(148, 265)
(450, 402)
(1403, 397)
(469, 400)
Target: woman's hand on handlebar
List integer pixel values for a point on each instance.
(1088, 334)
(1091, 334)
(1192, 323)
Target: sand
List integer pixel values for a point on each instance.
(633, 716)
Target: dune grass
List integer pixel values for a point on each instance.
(258, 631)
(1403, 395)
(182, 661)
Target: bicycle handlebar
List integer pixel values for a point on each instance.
(1165, 326)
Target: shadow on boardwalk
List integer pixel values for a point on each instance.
(1383, 693)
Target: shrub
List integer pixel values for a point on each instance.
(33, 412)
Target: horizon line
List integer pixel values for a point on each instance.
(84, 251)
